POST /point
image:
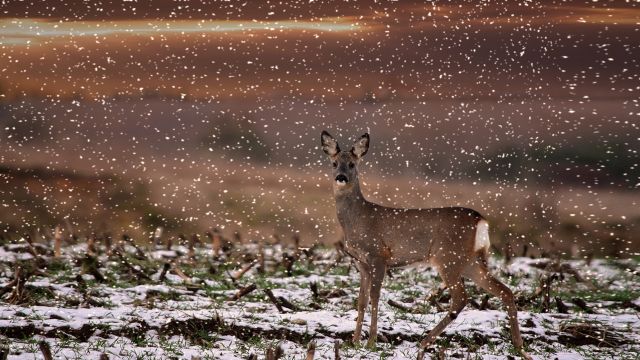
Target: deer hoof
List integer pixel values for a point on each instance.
(355, 339)
(371, 344)
(525, 355)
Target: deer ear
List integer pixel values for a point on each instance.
(361, 146)
(329, 144)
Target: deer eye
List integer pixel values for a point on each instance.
(335, 164)
(351, 165)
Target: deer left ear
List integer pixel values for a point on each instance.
(329, 144)
(361, 146)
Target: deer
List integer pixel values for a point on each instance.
(453, 240)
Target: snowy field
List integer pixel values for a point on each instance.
(155, 304)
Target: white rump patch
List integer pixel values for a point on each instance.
(482, 236)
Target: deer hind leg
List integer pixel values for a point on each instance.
(458, 302)
(363, 300)
(481, 276)
(378, 270)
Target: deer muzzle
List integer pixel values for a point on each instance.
(341, 180)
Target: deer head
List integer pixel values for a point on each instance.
(345, 163)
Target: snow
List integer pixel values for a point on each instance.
(128, 310)
(163, 122)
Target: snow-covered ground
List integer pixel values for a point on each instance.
(128, 316)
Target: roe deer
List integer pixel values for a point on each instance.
(454, 240)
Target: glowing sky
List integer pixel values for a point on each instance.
(32, 31)
(407, 49)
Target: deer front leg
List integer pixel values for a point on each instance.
(363, 300)
(378, 269)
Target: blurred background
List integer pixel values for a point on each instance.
(123, 117)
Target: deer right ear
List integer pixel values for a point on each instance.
(329, 144)
(361, 146)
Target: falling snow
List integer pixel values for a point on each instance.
(160, 124)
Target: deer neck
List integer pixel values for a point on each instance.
(349, 204)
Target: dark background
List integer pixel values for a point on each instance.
(122, 117)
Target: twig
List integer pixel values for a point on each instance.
(273, 299)
(562, 308)
(287, 304)
(195, 239)
(434, 297)
(287, 262)
(629, 305)
(126, 263)
(90, 266)
(82, 287)
(11, 285)
(107, 243)
(582, 305)
(336, 349)
(261, 257)
(545, 290)
(274, 353)
(57, 242)
(216, 241)
(176, 270)
(40, 262)
(597, 334)
(244, 291)
(397, 305)
(45, 349)
(296, 241)
(4, 350)
(163, 274)
(485, 302)
(139, 253)
(91, 244)
(339, 246)
(69, 228)
(508, 252)
(17, 295)
(314, 290)
(237, 237)
(474, 303)
(239, 274)
(191, 255)
(562, 268)
(157, 236)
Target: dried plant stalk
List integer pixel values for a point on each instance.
(57, 242)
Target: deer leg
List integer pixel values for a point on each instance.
(458, 302)
(378, 269)
(485, 280)
(363, 300)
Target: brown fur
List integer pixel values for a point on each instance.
(380, 237)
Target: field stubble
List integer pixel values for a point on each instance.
(191, 300)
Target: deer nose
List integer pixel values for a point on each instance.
(341, 179)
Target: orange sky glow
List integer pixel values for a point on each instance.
(408, 49)
(41, 31)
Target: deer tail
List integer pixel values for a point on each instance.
(482, 236)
